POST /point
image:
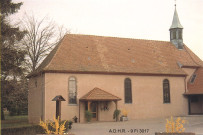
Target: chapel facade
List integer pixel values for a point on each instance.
(146, 78)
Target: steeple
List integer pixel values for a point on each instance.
(176, 30)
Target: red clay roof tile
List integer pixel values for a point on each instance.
(86, 53)
(197, 86)
(99, 95)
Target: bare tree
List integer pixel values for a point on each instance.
(42, 35)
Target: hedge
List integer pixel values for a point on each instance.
(31, 130)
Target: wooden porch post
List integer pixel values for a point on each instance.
(116, 108)
(116, 104)
(88, 105)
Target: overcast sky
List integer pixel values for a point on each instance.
(139, 19)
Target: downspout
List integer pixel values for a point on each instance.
(185, 84)
(188, 97)
(79, 111)
(42, 96)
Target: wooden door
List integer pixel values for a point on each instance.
(94, 110)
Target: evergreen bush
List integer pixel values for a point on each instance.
(88, 116)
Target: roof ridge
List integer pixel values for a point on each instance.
(117, 37)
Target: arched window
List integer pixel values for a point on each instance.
(72, 90)
(166, 91)
(128, 91)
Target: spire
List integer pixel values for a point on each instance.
(176, 22)
(176, 31)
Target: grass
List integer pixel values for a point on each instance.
(15, 121)
(20, 117)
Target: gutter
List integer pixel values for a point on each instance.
(105, 73)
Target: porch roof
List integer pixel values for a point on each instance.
(98, 94)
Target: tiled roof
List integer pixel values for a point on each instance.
(99, 95)
(87, 53)
(197, 86)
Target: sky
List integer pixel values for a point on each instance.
(138, 19)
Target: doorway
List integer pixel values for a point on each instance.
(94, 110)
(195, 104)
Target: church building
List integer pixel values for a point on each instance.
(147, 78)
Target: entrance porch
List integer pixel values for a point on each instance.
(100, 103)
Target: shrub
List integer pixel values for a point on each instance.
(54, 127)
(116, 114)
(31, 130)
(124, 113)
(175, 126)
(88, 116)
(15, 111)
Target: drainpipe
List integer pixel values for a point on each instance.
(79, 111)
(185, 84)
(188, 97)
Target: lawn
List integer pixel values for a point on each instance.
(15, 121)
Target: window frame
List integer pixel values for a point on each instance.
(128, 91)
(166, 90)
(72, 78)
(193, 78)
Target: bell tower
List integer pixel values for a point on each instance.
(176, 31)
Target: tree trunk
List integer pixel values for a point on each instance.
(2, 114)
